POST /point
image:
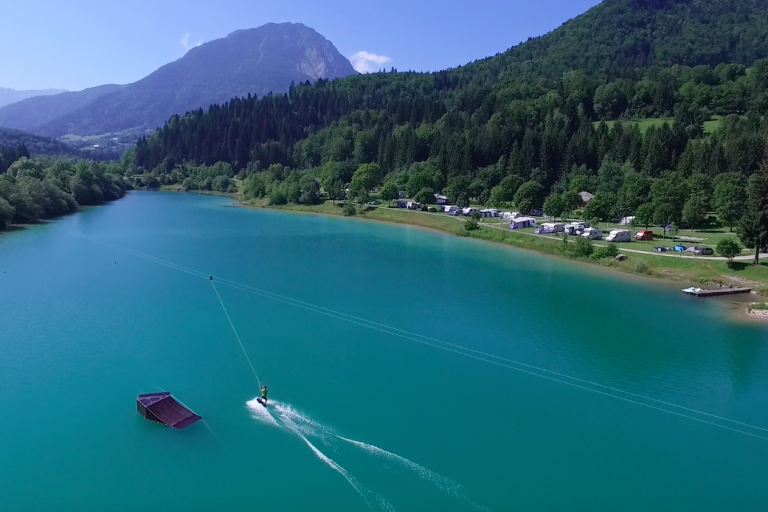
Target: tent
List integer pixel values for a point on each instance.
(522, 222)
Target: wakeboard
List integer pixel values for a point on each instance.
(261, 401)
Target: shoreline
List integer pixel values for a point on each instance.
(757, 315)
(541, 246)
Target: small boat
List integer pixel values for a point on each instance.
(692, 291)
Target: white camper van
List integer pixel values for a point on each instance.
(619, 235)
(592, 234)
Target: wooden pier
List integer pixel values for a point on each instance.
(716, 293)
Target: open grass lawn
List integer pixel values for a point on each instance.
(709, 126)
(712, 125)
(711, 238)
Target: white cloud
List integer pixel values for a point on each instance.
(187, 44)
(365, 62)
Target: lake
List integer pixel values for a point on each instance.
(408, 370)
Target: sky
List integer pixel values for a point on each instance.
(84, 43)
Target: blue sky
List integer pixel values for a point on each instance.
(84, 43)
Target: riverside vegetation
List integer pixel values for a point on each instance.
(43, 188)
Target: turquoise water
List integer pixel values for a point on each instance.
(363, 416)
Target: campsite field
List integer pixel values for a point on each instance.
(685, 237)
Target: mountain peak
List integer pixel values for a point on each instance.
(253, 61)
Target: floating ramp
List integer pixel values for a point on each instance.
(163, 408)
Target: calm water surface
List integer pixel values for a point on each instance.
(365, 416)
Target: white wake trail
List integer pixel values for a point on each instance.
(362, 491)
(297, 423)
(445, 484)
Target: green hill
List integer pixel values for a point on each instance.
(532, 114)
(625, 34)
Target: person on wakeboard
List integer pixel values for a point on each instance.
(264, 391)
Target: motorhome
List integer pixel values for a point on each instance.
(592, 234)
(619, 235)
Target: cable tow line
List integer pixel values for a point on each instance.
(235, 331)
(419, 338)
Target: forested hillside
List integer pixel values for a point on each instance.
(521, 126)
(35, 144)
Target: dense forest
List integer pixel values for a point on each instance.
(43, 188)
(526, 127)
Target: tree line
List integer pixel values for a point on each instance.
(10, 155)
(43, 188)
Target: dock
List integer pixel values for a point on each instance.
(699, 292)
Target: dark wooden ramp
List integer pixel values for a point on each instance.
(163, 408)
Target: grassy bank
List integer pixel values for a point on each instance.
(686, 271)
(710, 126)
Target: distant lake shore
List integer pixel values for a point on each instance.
(671, 271)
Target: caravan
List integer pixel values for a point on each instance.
(552, 227)
(592, 234)
(619, 235)
(510, 215)
(451, 209)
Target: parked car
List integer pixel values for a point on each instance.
(592, 234)
(661, 248)
(644, 235)
(619, 235)
(680, 248)
(701, 251)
